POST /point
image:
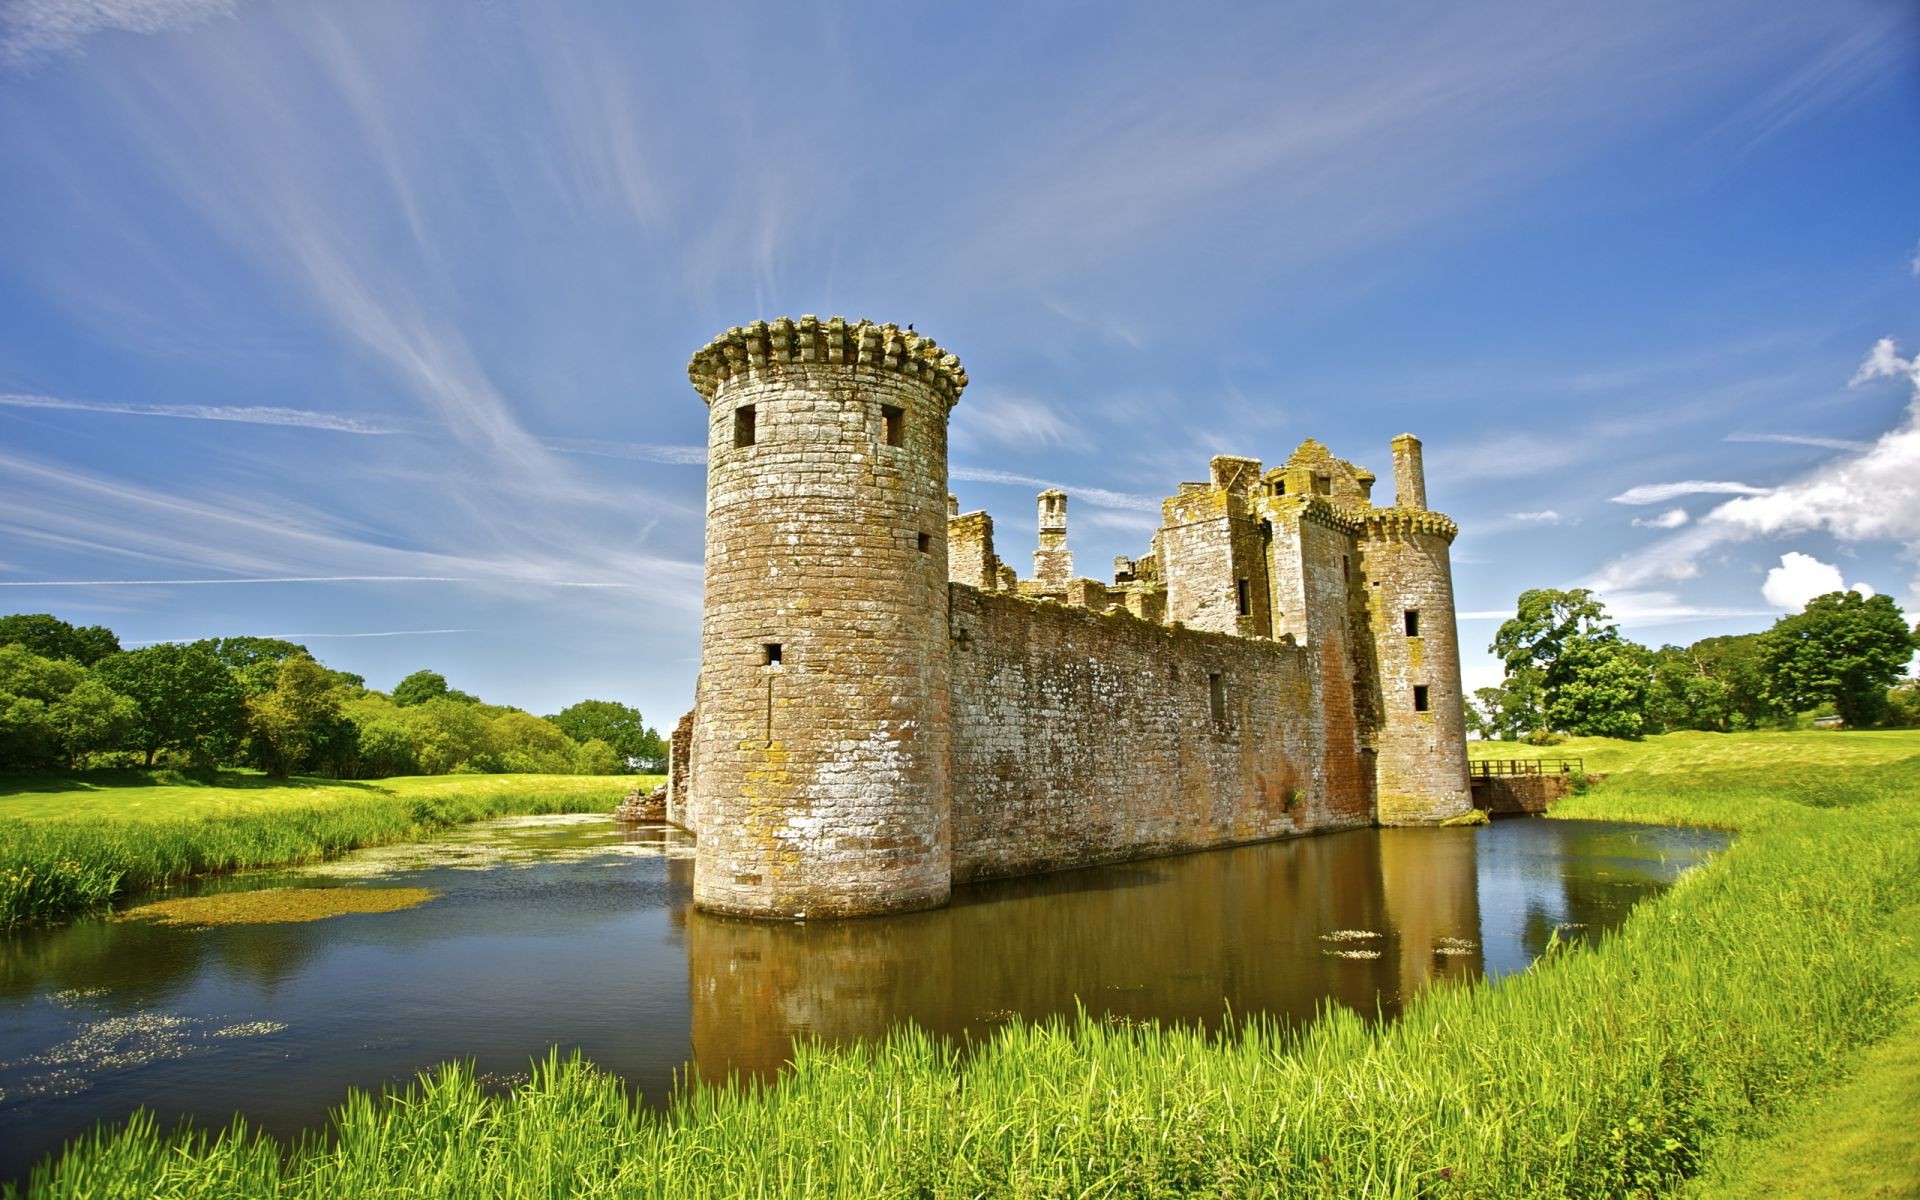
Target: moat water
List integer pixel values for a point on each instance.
(564, 931)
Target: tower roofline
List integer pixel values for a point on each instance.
(835, 340)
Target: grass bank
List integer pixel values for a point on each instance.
(1621, 1070)
(70, 843)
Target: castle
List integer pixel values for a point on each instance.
(885, 709)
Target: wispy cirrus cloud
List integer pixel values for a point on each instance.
(1673, 518)
(1007, 419)
(1656, 493)
(1801, 439)
(32, 31)
(305, 637)
(1100, 496)
(1545, 516)
(249, 414)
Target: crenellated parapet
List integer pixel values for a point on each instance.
(836, 340)
(1390, 521)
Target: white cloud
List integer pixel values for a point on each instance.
(1801, 577)
(252, 414)
(305, 637)
(1801, 439)
(1882, 362)
(1545, 516)
(34, 30)
(1673, 518)
(1870, 496)
(1656, 493)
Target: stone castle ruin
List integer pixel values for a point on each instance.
(885, 708)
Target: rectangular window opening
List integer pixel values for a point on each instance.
(1420, 697)
(926, 543)
(1217, 695)
(1413, 622)
(1245, 597)
(1346, 567)
(743, 426)
(773, 654)
(894, 425)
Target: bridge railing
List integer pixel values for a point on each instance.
(1487, 768)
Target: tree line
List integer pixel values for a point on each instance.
(1567, 670)
(71, 697)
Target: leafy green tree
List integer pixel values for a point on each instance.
(1591, 681)
(524, 743)
(595, 757)
(1844, 649)
(422, 686)
(1513, 709)
(50, 637)
(616, 724)
(300, 709)
(1602, 690)
(188, 699)
(448, 735)
(93, 718)
(53, 712)
(1684, 694)
(419, 687)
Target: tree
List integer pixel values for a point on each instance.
(448, 734)
(1602, 690)
(188, 699)
(53, 711)
(523, 743)
(1844, 649)
(616, 724)
(1590, 680)
(289, 718)
(422, 686)
(50, 637)
(1512, 710)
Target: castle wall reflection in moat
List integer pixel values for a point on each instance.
(1365, 919)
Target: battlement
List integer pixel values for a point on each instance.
(764, 344)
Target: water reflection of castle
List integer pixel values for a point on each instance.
(1173, 940)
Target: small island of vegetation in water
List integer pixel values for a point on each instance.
(1667, 1053)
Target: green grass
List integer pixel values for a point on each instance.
(70, 843)
(1856, 1141)
(1621, 1070)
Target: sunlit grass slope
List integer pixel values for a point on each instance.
(1621, 1070)
(72, 843)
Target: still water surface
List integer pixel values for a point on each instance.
(565, 931)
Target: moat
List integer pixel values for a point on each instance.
(544, 931)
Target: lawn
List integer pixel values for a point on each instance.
(70, 843)
(134, 796)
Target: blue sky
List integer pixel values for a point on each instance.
(367, 323)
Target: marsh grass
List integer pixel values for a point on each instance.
(54, 866)
(1610, 1071)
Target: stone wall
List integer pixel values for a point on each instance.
(1082, 737)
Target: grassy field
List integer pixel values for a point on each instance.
(1682, 1045)
(69, 843)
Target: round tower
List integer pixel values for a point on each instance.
(821, 733)
(1420, 764)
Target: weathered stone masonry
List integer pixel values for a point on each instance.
(885, 708)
